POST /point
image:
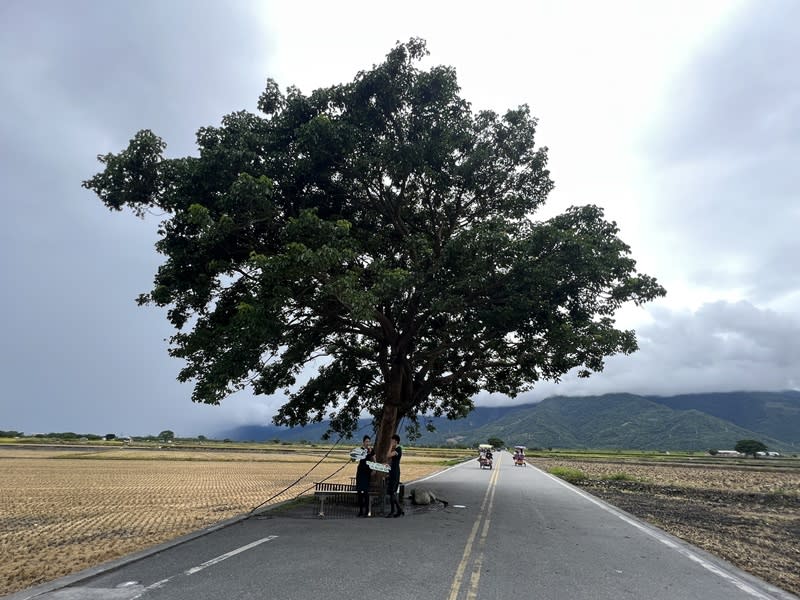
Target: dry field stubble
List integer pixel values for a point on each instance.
(748, 515)
(64, 511)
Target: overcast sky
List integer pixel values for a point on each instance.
(681, 119)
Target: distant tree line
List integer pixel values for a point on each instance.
(10, 434)
(67, 435)
(63, 435)
(166, 435)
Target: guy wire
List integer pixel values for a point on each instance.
(299, 479)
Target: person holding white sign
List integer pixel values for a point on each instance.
(363, 476)
(393, 480)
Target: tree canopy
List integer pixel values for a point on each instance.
(750, 447)
(372, 247)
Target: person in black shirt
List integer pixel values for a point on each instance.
(363, 474)
(393, 480)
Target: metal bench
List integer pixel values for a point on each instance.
(345, 492)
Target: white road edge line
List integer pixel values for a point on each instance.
(438, 473)
(222, 557)
(656, 534)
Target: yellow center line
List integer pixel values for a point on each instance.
(476, 570)
(456, 585)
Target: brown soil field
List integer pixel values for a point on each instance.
(64, 511)
(747, 515)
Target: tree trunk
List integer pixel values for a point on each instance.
(388, 425)
(385, 431)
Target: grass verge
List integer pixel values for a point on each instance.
(568, 474)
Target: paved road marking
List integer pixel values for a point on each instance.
(476, 569)
(455, 588)
(151, 587)
(222, 557)
(431, 476)
(193, 570)
(659, 535)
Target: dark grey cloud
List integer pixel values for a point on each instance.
(78, 79)
(740, 91)
(723, 159)
(720, 347)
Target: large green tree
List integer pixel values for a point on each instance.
(383, 233)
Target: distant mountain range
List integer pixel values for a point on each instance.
(611, 421)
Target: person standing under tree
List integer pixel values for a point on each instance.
(393, 480)
(363, 475)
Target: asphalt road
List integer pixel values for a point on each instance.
(510, 532)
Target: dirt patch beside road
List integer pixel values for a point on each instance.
(747, 516)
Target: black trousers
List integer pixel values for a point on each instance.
(363, 501)
(392, 485)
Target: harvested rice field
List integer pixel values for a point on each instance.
(65, 510)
